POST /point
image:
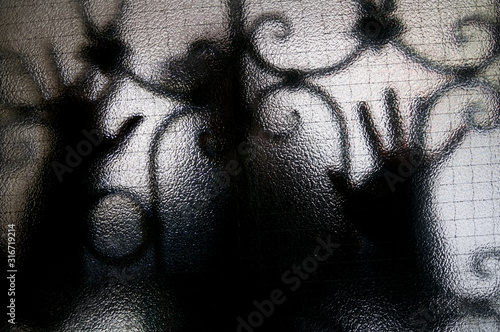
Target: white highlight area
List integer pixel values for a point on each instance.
(127, 168)
(467, 198)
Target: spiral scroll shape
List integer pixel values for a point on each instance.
(466, 45)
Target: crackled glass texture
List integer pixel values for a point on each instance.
(250, 165)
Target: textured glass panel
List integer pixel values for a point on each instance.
(254, 165)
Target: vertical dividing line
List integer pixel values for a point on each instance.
(241, 118)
